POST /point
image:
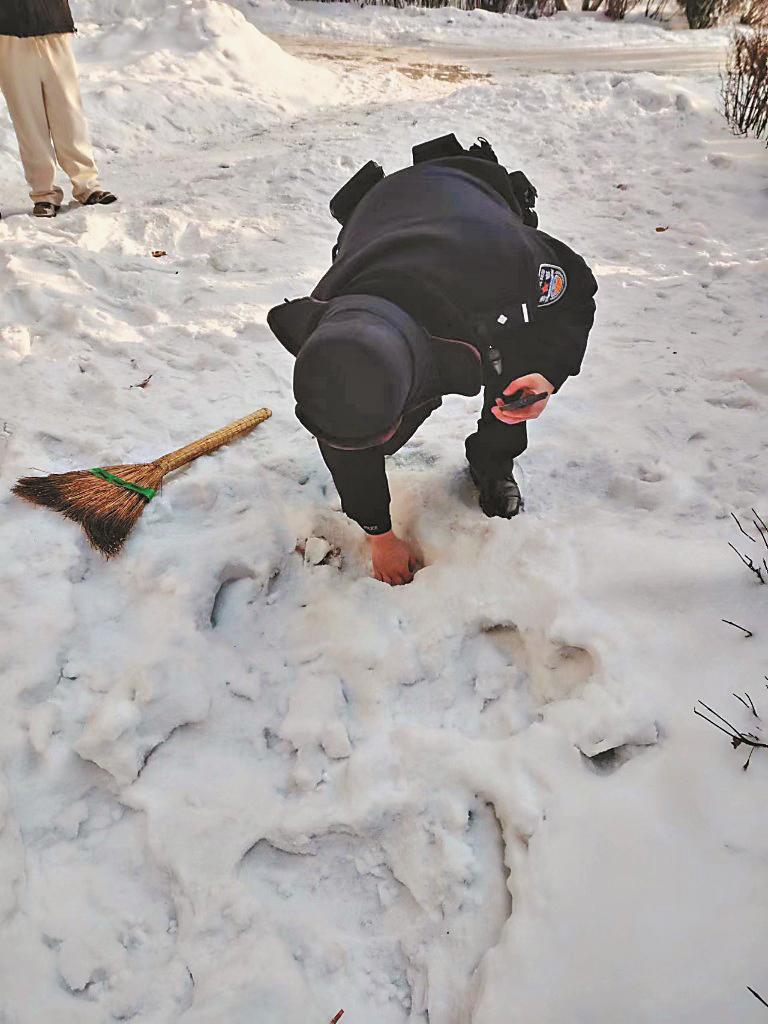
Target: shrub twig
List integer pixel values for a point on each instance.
(749, 706)
(747, 633)
(744, 83)
(736, 520)
(738, 736)
(756, 569)
(760, 571)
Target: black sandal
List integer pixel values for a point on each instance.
(45, 210)
(100, 198)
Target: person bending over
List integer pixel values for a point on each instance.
(441, 284)
(38, 78)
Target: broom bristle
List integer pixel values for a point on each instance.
(106, 511)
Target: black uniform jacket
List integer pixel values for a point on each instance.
(444, 240)
(35, 17)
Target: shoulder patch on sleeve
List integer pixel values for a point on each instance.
(552, 283)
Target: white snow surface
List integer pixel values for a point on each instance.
(449, 26)
(242, 784)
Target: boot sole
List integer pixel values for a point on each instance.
(106, 201)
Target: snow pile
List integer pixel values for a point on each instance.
(195, 65)
(448, 26)
(242, 782)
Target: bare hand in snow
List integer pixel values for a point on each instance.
(394, 561)
(531, 383)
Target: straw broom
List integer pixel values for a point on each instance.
(108, 502)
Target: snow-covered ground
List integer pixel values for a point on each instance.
(354, 22)
(237, 789)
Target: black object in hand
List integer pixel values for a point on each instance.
(520, 400)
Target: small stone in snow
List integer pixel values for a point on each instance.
(315, 550)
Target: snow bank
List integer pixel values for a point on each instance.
(411, 26)
(193, 65)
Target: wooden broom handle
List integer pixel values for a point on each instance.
(208, 444)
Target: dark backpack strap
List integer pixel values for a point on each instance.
(526, 195)
(449, 145)
(436, 149)
(293, 321)
(483, 150)
(350, 194)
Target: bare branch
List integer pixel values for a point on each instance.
(747, 633)
(734, 730)
(744, 84)
(735, 519)
(748, 703)
(757, 996)
(763, 533)
(760, 521)
(710, 722)
(749, 563)
(737, 736)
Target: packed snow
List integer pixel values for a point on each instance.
(450, 26)
(241, 781)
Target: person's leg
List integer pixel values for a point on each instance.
(21, 81)
(69, 129)
(491, 453)
(493, 448)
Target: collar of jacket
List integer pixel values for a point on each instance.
(459, 363)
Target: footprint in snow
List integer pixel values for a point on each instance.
(554, 670)
(733, 401)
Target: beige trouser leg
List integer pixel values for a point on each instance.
(38, 77)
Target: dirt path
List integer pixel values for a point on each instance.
(469, 62)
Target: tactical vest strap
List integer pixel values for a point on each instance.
(370, 174)
(483, 150)
(350, 194)
(436, 149)
(523, 189)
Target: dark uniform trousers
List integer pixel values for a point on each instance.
(494, 446)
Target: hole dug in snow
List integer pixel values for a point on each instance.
(606, 762)
(220, 599)
(236, 586)
(605, 759)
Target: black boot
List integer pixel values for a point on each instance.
(100, 198)
(45, 209)
(499, 496)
